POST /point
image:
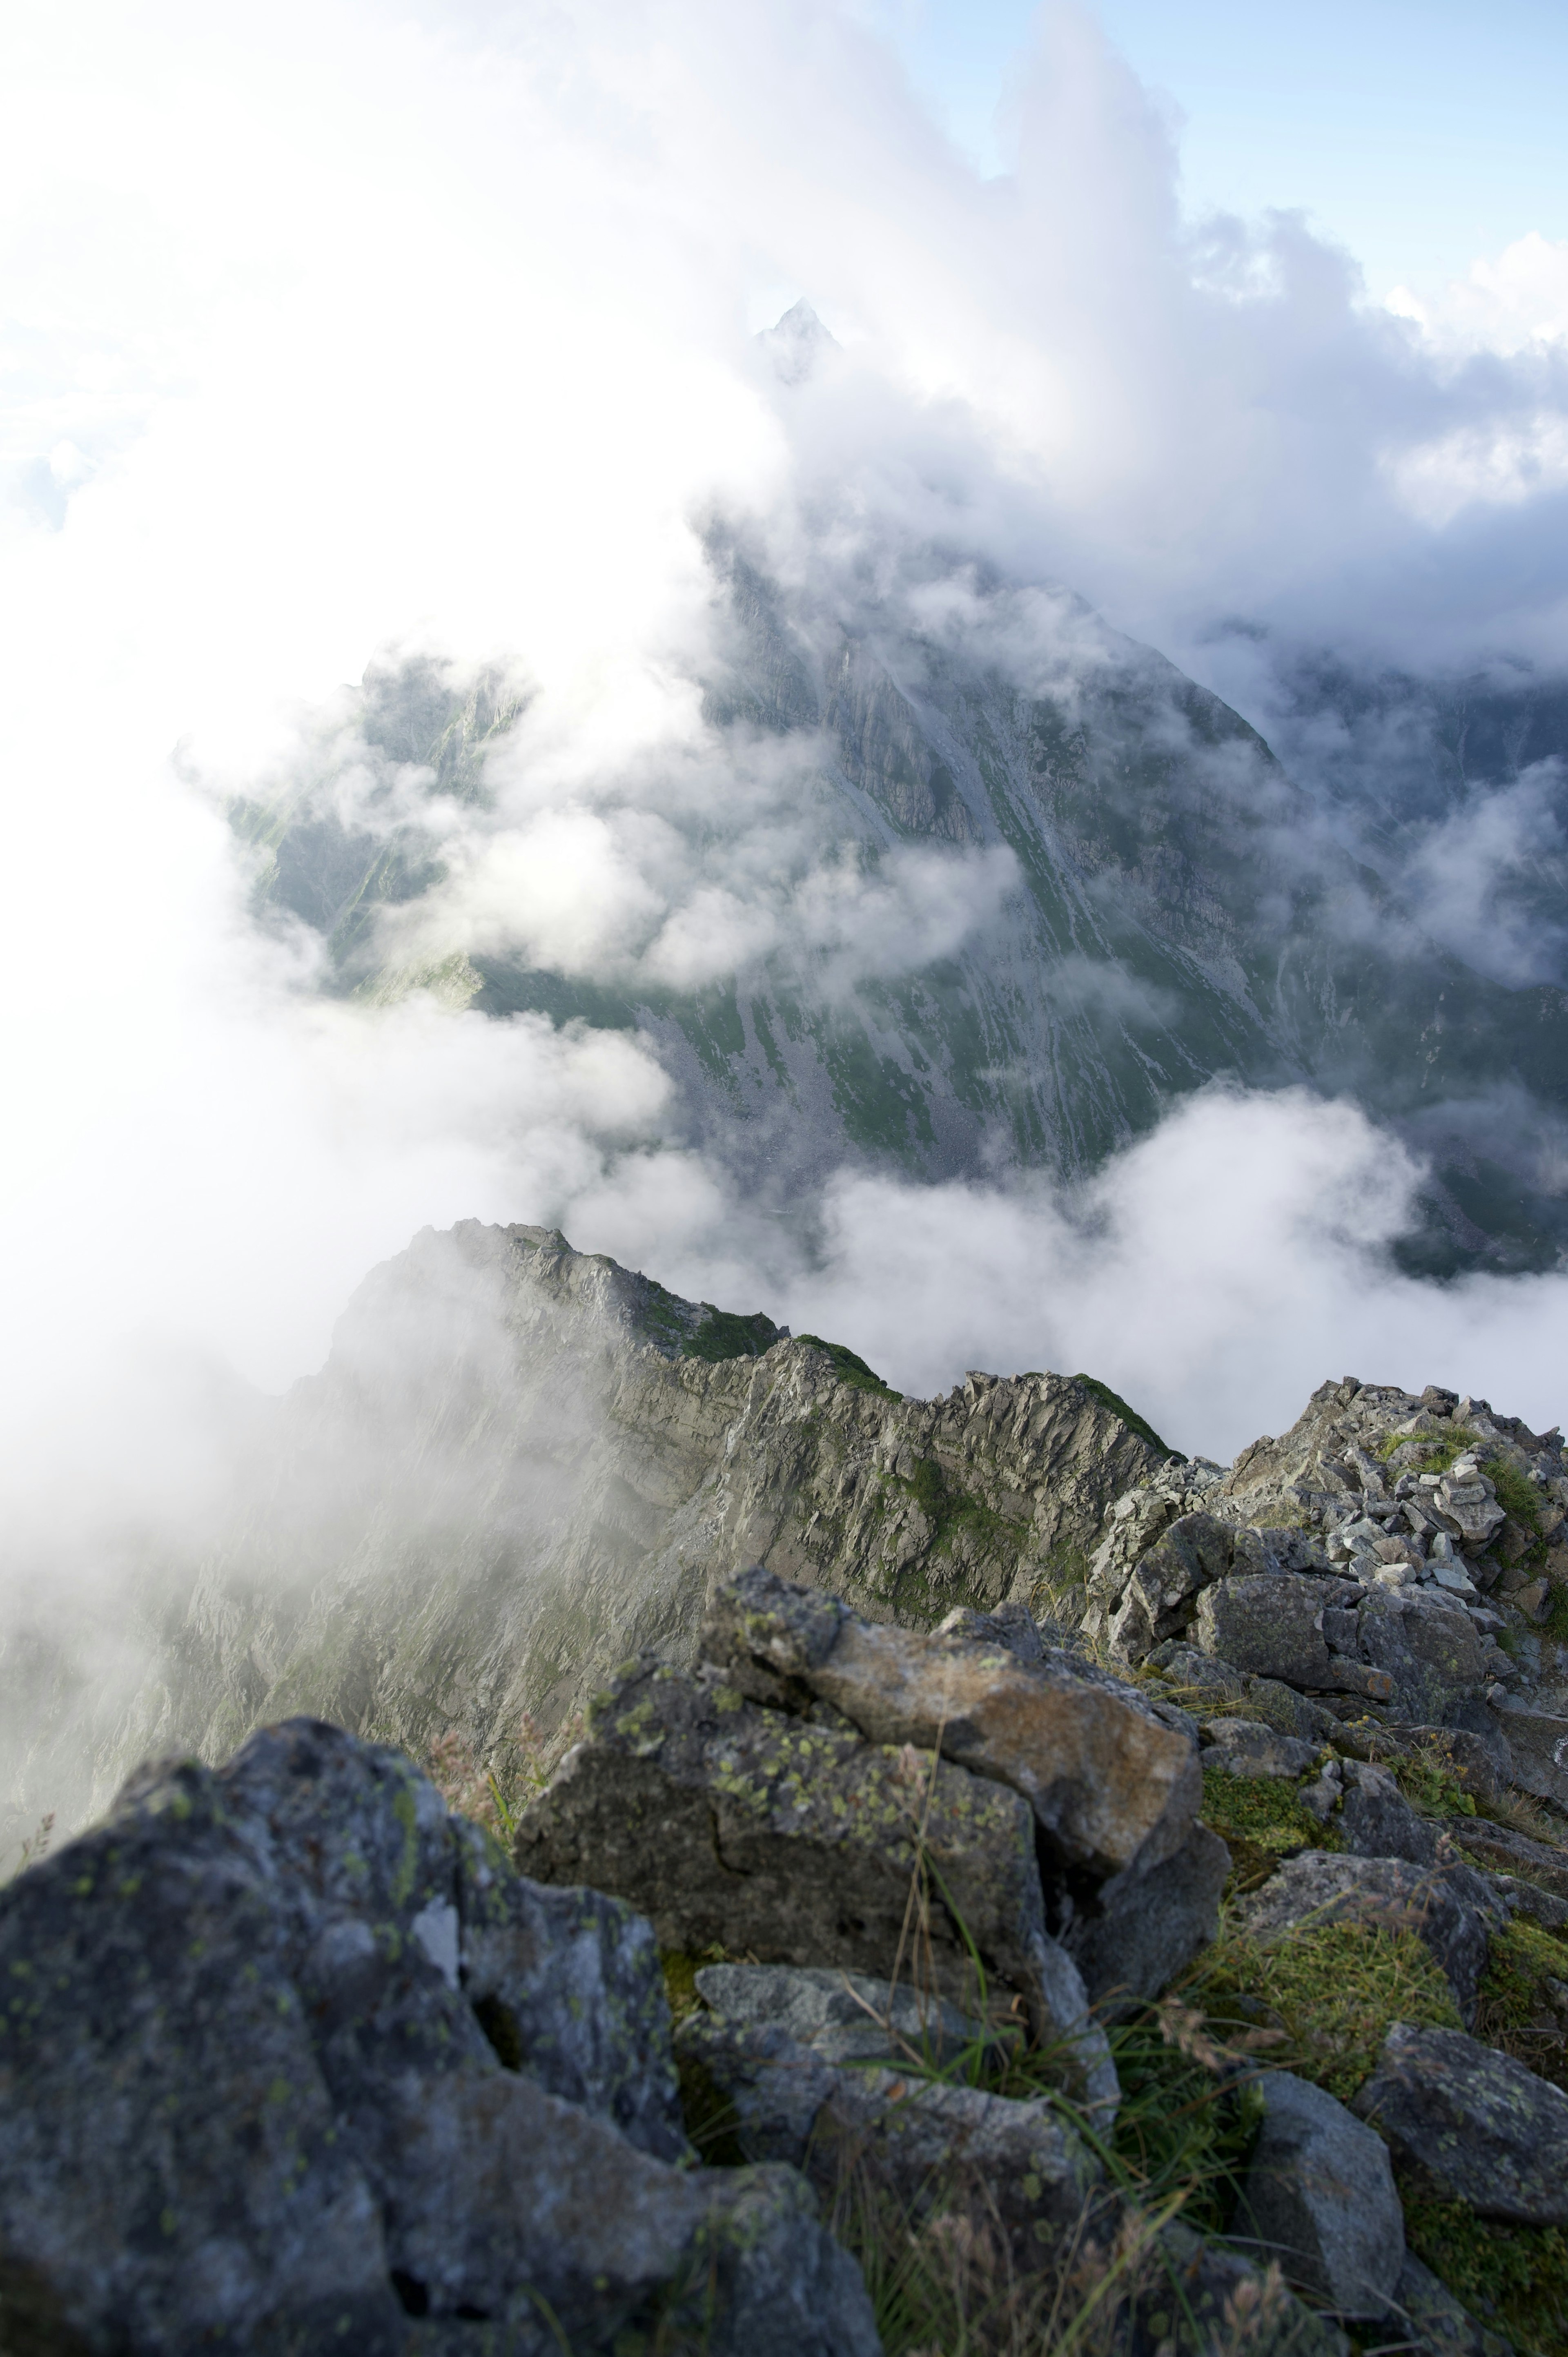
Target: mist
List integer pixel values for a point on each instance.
(342, 335)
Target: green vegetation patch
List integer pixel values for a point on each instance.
(1261, 1820)
(1129, 1415)
(723, 1335)
(1436, 1456)
(850, 1370)
(1517, 2011)
(1513, 2278)
(1334, 1990)
(1429, 1781)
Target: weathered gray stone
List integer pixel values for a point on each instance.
(1375, 1819)
(927, 2141)
(1113, 1784)
(1538, 1743)
(1246, 1747)
(1009, 1624)
(1133, 1937)
(731, 1825)
(1451, 1908)
(1428, 1646)
(1320, 2198)
(1273, 1626)
(1488, 2130)
(242, 2097)
(849, 2017)
(1503, 1850)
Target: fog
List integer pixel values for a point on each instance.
(350, 334)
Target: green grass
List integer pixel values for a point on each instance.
(1513, 2278)
(1515, 2010)
(1334, 1989)
(723, 1335)
(1129, 1415)
(1262, 1820)
(1436, 1456)
(1429, 1782)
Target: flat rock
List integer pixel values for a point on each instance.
(847, 2017)
(1246, 1747)
(244, 2097)
(1113, 1784)
(1320, 2198)
(1488, 2130)
(1451, 1908)
(754, 1830)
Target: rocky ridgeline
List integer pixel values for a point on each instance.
(1390, 1560)
(293, 2061)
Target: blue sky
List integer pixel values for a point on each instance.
(1419, 133)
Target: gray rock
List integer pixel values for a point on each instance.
(1438, 2324)
(1245, 1747)
(1112, 1782)
(1375, 1819)
(1500, 1847)
(1451, 1908)
(1008, 1624)
(243, 2096)
(1488, 2130)
(1273, 1626)
(847, 2017)
(1132, 1938)
(1320, 2197)
(1200, 2298)
(753, 1830)
(925, 2141)
(1427, 1645)
(1538, 1744)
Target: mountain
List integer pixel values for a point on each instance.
(522, 1463)
(1180, 908)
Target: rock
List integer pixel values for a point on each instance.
(244, 2097)
(1273, 1626)
(1245, 1747)
(1375, 1819)
(1199, 2298)
(1487, 2129)
(847, 2017)
(1112, 1785)
(1451, 1908)
(1533, 1600)
(1438, 2324)
(1011, 1625)
(923, 2140)
(1427, 1645)
(734, 1825)
(1538, 1745)
(1505, 1851)
(1134, 1936)
(1320, 2198)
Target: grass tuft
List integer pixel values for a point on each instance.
(1261, 1820)
(1334, 1989)
(1513, 2278)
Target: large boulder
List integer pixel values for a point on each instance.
(1489, 2131)
(764, 1833)
(245, 2098)
(1132, 1936)
(1320, 2197)
(1375, 1819)
(1452, 1908)
(1538, 1745)
(1112, 1780)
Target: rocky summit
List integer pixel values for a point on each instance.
(969, 1878)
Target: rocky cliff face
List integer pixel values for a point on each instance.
(523, 1463)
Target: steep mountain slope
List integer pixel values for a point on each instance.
(522, 1463)
(1179, 908)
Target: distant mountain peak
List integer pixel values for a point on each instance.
(796, 342)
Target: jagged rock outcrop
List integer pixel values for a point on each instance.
(522, 1463)
(248, 2094)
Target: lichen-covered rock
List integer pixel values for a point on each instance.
(1435, 2323)
(1451, 1908)
(1489, 2131)
(1320, 2197)
(924, 2140)
(764, 1833)
(1272, 1625)
(1114, 1784)
(1246, 1747)
(245, 2097)
(1538, 1745)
